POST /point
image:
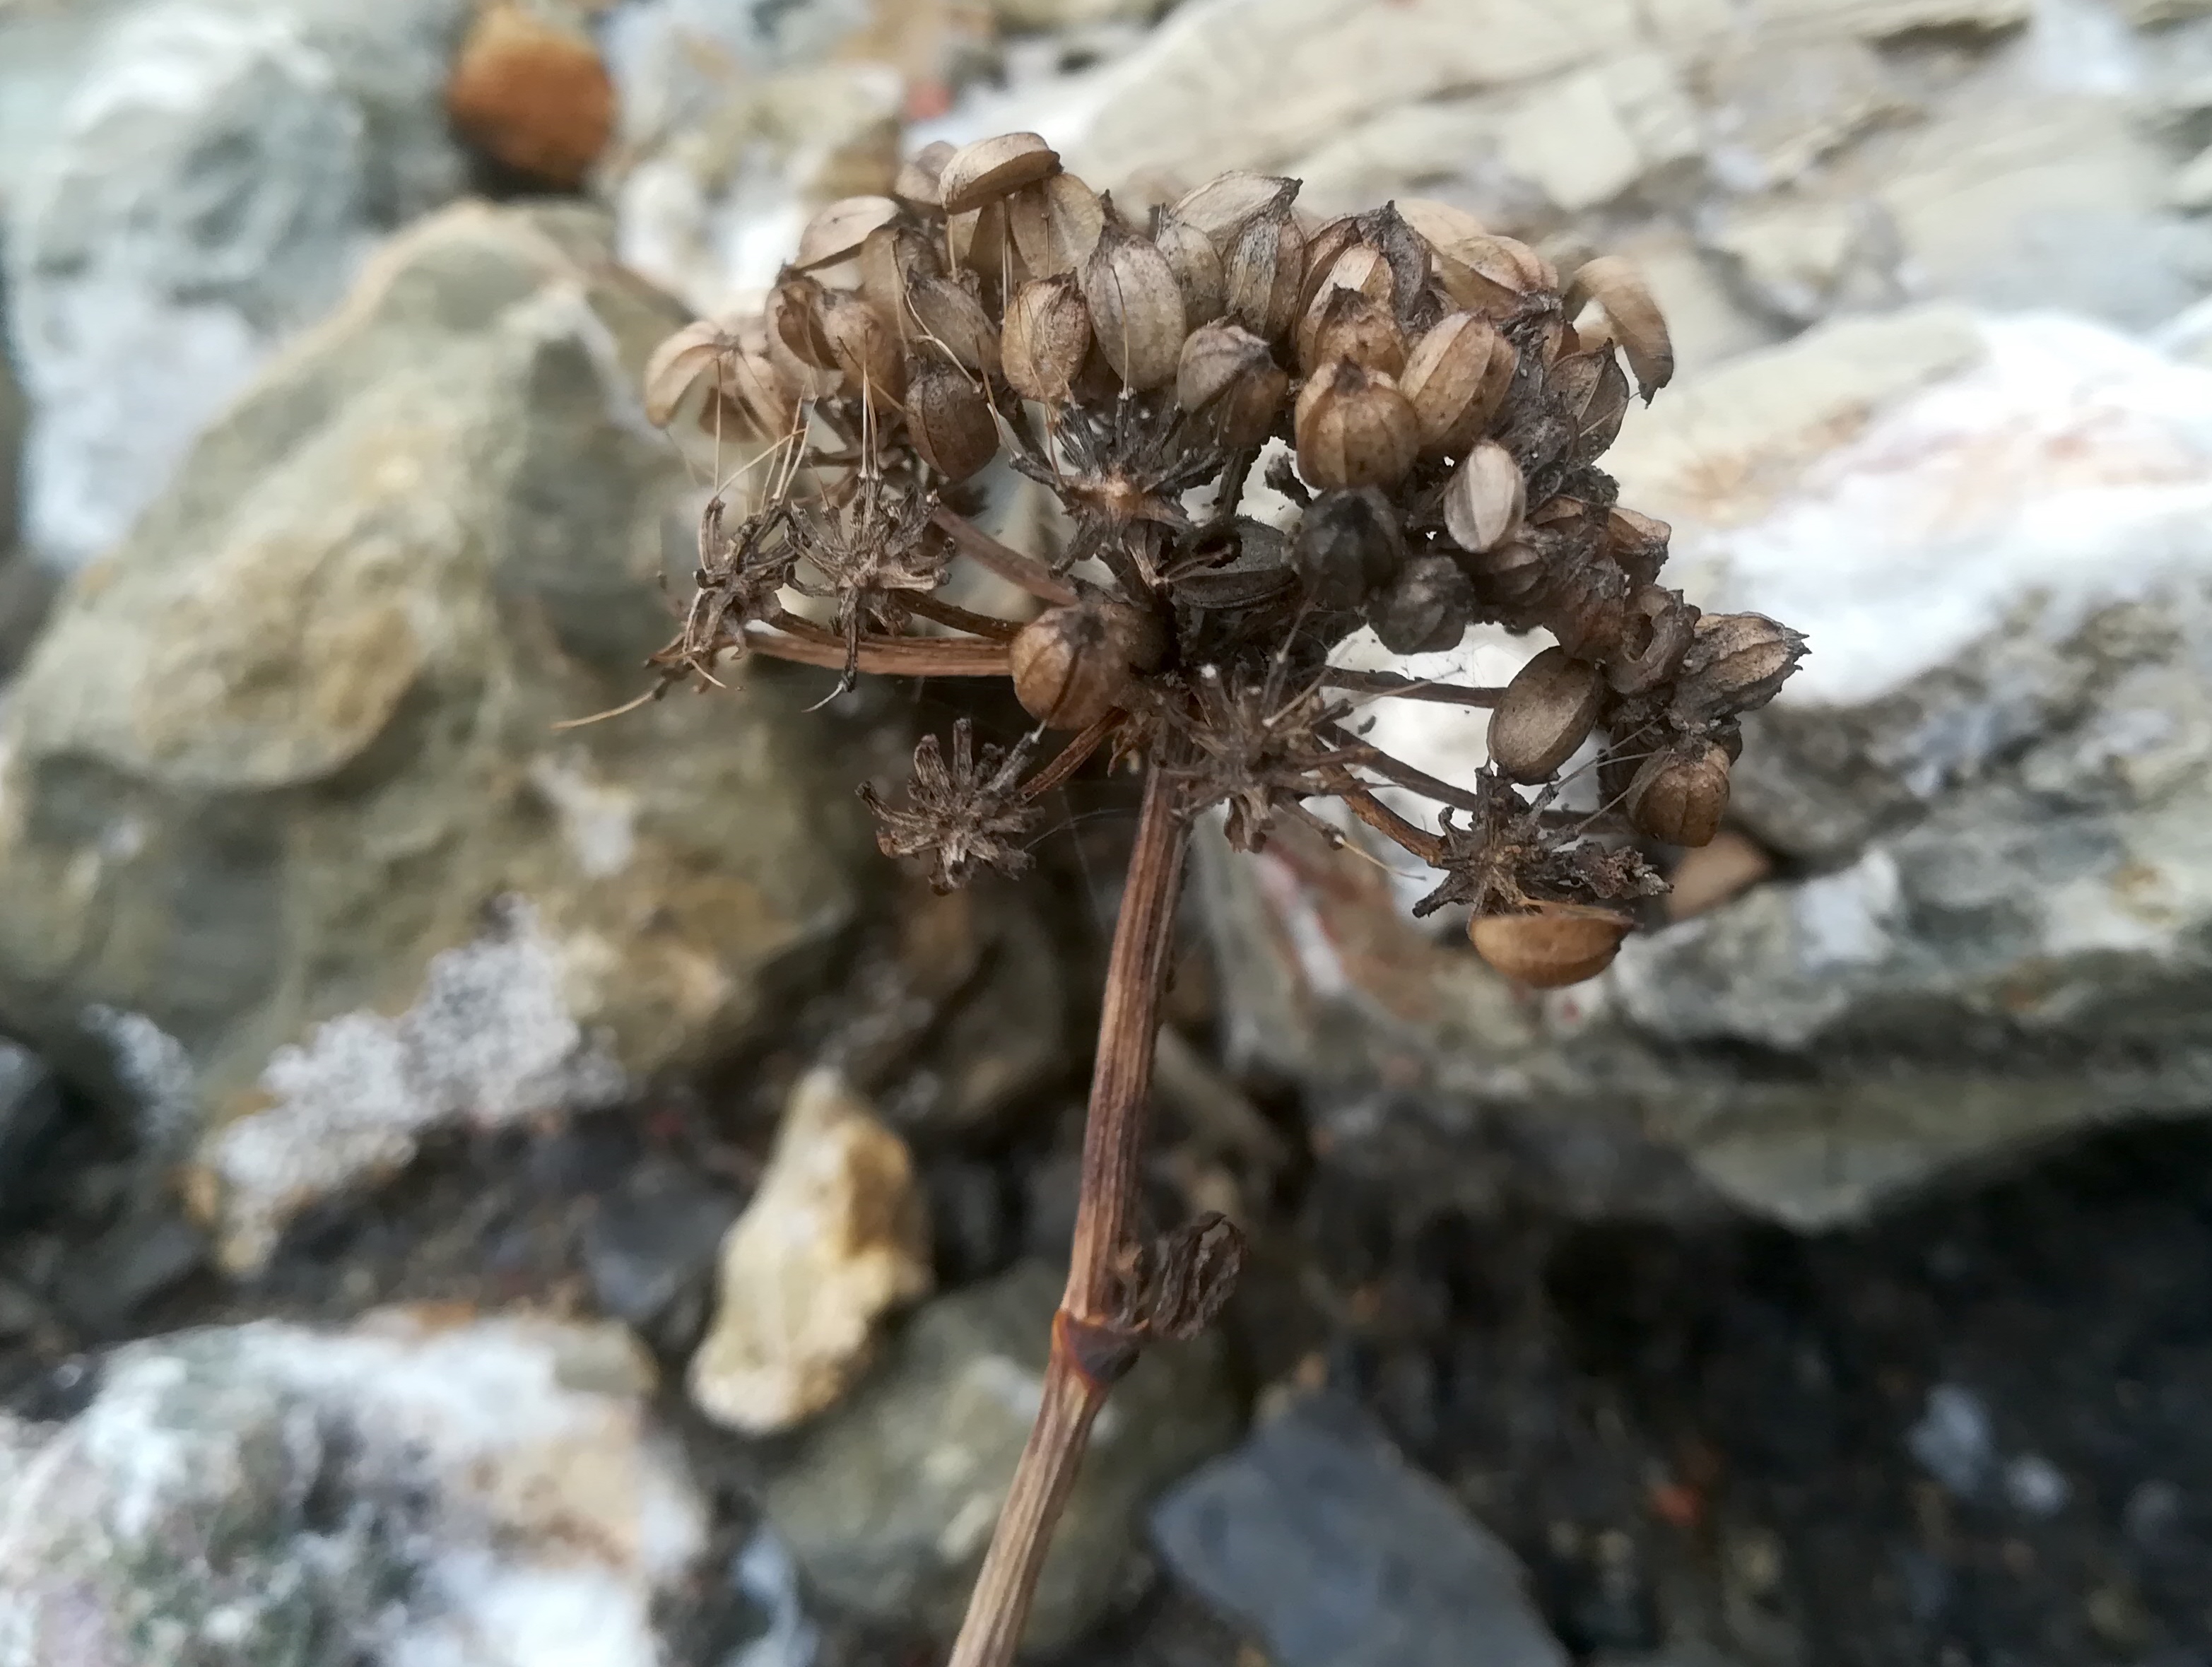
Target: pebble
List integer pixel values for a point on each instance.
(532, 95)
(650, 1246)
(835, 1238)
(1317, 1536)
(1952, 1440)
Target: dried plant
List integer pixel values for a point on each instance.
(1432, 402)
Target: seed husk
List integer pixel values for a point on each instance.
(1226, 374)
(1636, 543)
(918, 182)
(837, 231)
(1616, 285)
(1197, 266)
(1679, 798)
(1136, 308)
(946, 312)
(1354, 429)
(1261, 273)
(1348, 324)
(981, 244)
(891, 258)
(1425, 609)
(1072, 665)
(947, 416)
(1457, 376)
(991, 168)
(865, 348)
(1546, 712)
(1054, 224)
(1487, 498)
(678, 363)
(1224, 204)
(1735, 663)
(1349, 546)
(1047, 337)
(1552, 945)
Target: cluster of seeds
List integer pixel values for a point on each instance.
(1429, 398)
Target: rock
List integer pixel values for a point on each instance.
(1588, 138)
(1990, 776)
(532, 95)
(1319, 1537)
(1778, 107)
(888, 1503)
(1802, 260)
(300, 860)
(215, 179)
(649, 1251)
(835, 1238)
(29, 1100)
(415, 1487)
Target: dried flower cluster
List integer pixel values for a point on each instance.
(1430, 400)
(1444, 400)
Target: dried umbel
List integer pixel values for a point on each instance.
(1429, 405)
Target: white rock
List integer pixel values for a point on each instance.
(417, 1489)
(835, 1238)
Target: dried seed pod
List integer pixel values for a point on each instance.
(981, 244)
(1354, 429)
(1054, 224)
(1616, 285)
(1679, 798)
(1262, 272)
(1636, 543)
(1222, 205)
(865, 348)
(918, 183)
(1734, 663)
(948, 417)
(1487, 498)
(1136, 308)
(759, 392)
(1457, 376)
(1226, 374)
(1046, 337)
(837, 232)
(1073, 665)
(1440, 225)
(946, 312)
(1324, 248)
(1598, 422)
(1364, 268)
(1347, 324)
(891, 258)
(1425, 609)
(1490, 274)
(678, 365)
(1660, 627)
(1349, 546)
(795, 318)
(808, 381)
(1509, 575)
(1554, 945)
(991, 168)
(1197, 266)
(1546, 712)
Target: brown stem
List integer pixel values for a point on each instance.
(1087, 1352)
(903, 656)
(987, 625)
(1087, 742)
(1405, 775)
(1389, 682)
(1009, 564)
(1387, 822)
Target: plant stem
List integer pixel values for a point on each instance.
(907, 656)
(1088, 1352)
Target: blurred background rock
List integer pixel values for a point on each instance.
(1830, 1282)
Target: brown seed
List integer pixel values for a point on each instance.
(1490, 274)
(1197, 266)
(1457, 376)
(1073, 665)
(1440, 225)
(1556, 944)
(1054, 224)
(1261, 273)
(1136, 308)
(1425, 609)
(1349, 546)
(795, 318)
(1222, 205)
(1347, 324)
(760, 391)
(945, 312)
(678, 363)
(1511, 572)
(1709, 876)
(1614, 284)
(865, 348)
(991, 168)
(1659, 628)
(1487, 498)
(1636, 543)
(1680, 797)
(1604, 410)
(891, 258)
(1046, 337)
(917, 184)
(1546, 712)
(981, 244)
(1324, 248)
(532, 95)
(1735, 663)
(1354, 429)
(837, 232)
(1227, 374)
(948, 417)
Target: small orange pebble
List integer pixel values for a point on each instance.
(532, 95)
(1677, 1504)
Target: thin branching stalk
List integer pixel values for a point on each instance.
(1089, 1351)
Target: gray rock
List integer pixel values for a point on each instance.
(1317, 1535)
(1990, 777)
(212, 183)
(29, 1097)
(650, 1247)
(297, 857)
(483, 1494)
(889, 1502)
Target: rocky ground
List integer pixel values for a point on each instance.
(472, 1192)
